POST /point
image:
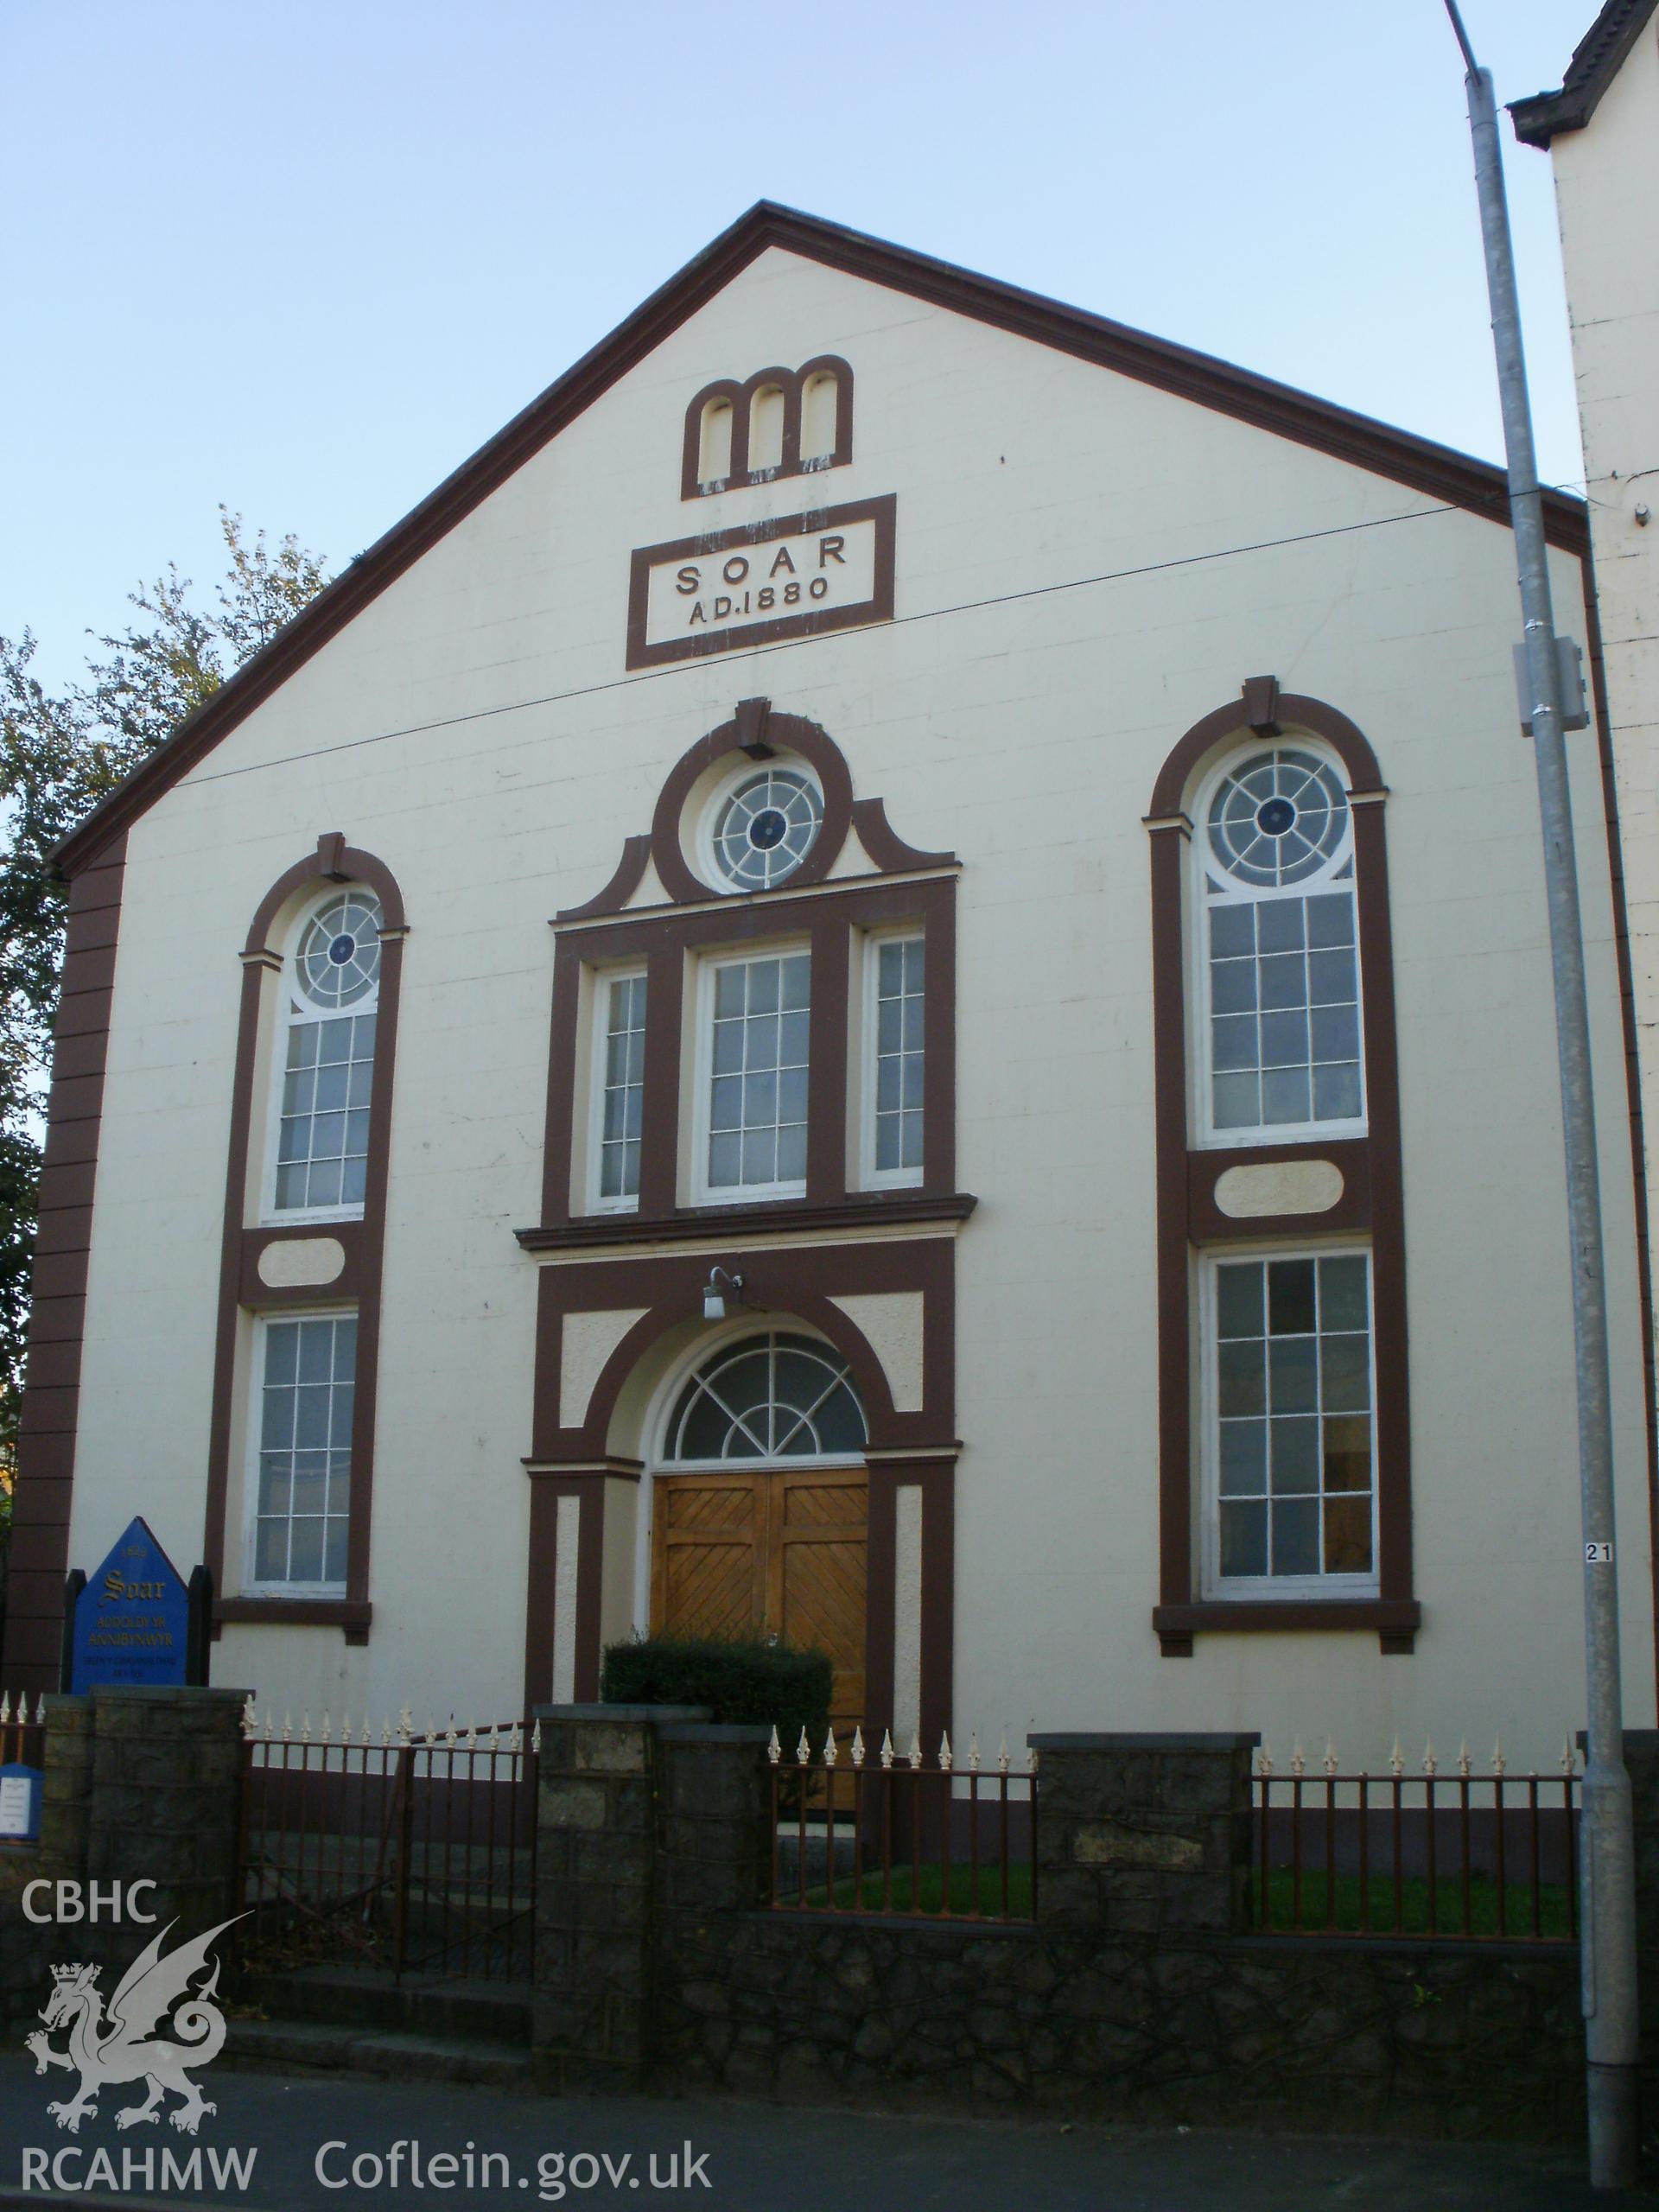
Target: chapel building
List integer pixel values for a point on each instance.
(885, 981)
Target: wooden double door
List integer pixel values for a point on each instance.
(776, 1550)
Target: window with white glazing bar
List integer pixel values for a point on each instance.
(757, 1090)
(621, 1088)
(1281, 1050)
(303, 1472)
(1293, 1459)
(331, 992)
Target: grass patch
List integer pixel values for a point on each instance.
(923, 1891)
(1413, 1916)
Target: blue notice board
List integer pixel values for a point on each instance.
(132, 1620)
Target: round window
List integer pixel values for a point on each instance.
(767, 828)
(339, 959)
(1278, 818)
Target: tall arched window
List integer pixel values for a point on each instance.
(330, 1000)
(1280, 1050)
(1284, 1398)
(777, 1396)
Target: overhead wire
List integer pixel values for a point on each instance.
(785, 644)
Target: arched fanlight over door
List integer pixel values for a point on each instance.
(776, 1396)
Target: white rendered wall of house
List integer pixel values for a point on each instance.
(1607, 195)
(1026, 735)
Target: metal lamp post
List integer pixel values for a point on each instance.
(1608, 1857)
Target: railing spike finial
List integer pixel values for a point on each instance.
(1298, 1763)
(471, 1734)
(367, 1738)
(774, 1748)
(450, 1738)
(973, 1752)
(514, 1737)
(536, 1735)
(39, 1710)
(858, 1744)
(1569, 1754)
(802, 1750)
(944, 1752)
(915, 1751)
(405, 1723)
(1498, 1760)
(250, 1720)
(887, 1747)
(327, 1733)
(287, 1728)
(1328, 1762)
(305, 1727)
(1264, 1760)
(5, 1709)
(830, 1748)
(1396, 1760)
(1463, 1758)
(1431, 1764)
(494, 1743)
(432, 1732)
(1003, 1754)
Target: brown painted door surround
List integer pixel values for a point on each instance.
(767, 1551)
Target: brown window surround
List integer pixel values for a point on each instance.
(792, 384)
(241, 1288)
(911, 887)
(1371, 1203)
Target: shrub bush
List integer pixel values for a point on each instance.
(767, 1684)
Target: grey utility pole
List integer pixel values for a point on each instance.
(1607, 1878)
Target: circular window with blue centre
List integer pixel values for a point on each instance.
(339, 959)
(767, 828)
(1278, 818)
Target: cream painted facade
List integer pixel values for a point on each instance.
(1085, 566)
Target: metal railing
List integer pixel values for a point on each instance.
(1487, 1857)
(945, 1840)
(412, 1851)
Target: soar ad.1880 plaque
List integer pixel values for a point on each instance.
(827, 569)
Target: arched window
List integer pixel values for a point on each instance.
(715, 442)
(776, 1396)
(1284, 1396)
(820, 420)
(767, 430)
(1280, 996)
(330, 998)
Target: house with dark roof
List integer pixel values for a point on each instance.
(884, 981)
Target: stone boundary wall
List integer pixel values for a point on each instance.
(141, 1785)
(1138, 1994)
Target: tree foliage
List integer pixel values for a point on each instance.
(59, 756)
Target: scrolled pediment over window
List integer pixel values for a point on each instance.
(763, 803)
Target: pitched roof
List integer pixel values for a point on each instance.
(1595, 63)
(1418, 463)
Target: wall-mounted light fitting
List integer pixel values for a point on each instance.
(719, 1287)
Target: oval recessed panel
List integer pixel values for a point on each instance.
(1278, 1186)
(300, 1262)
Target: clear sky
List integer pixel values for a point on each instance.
(304, 257)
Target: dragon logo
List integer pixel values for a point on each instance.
(121, 2047)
